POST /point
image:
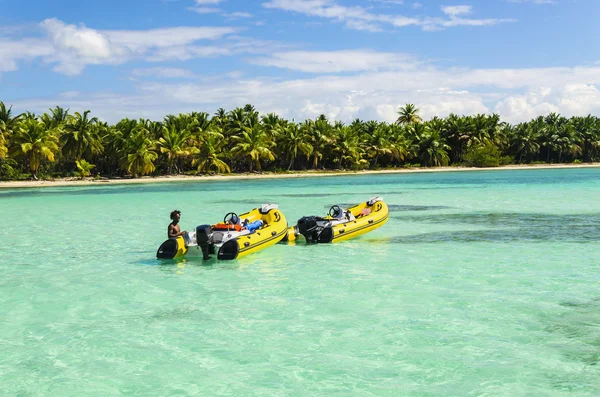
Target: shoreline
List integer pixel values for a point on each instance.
(298, 174)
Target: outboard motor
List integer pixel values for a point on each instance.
(309, 228)
(204, 241)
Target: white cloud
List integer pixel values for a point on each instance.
(455, 11)
(72, 47)
(234, 45)
(169, 73)
(11, 52)
(144, 40)
(204, 2)
(375, 92)
(337, 61)
(360, 18)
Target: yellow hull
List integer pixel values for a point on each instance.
(273, 230)
(360, 225)
(181, 247)
(271, 234)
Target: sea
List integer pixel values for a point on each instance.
(483, 283)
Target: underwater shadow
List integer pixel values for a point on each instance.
(581, 326)
(508, 227)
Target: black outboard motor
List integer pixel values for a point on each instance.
(203, 241)
(308, 227)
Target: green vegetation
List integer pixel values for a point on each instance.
(57, 143)
(487, 155)
(84, 168)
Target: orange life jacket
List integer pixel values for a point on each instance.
(225, 226)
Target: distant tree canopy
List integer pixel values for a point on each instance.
(58, 143)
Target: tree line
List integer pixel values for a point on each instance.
(58, 143)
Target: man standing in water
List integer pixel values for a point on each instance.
(174, 230)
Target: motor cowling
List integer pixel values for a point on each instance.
(202, 234)
(309, 228)
(307, 224)
(203, 239)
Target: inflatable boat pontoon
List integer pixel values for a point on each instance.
(341, 224)
(235, 237)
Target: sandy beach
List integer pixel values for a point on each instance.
(298, 174)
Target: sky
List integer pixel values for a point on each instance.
(346, 59)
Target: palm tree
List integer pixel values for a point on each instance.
(80, 138)
(568, 141)
(139, 154)
(254, 144)
(378, 142)
(8, 124)
(202, 120)
(272, 124)
(154, 128)
(409, 114)
(318, 134)
(523, 140)
(55, 118)
(210, 156)
(430, 146)
(115, 142)
(458, 133)
(7, 117)
(401, 142)
(237, 119)
(35, 142)
(220, 118)
(3, 142)
(347, 146)
(482, 130)
(588, 129)
(293, 140)
(85, 168)
(175, 144)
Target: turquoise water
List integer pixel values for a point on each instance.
(481, 284)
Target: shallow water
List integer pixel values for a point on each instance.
(481, 284)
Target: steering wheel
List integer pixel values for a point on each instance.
(234, 218)
(334, 210)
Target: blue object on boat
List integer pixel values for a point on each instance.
(254, 225)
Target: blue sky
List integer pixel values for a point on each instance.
(301, 58)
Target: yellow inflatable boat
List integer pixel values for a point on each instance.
(341, 224)
(235, 237)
